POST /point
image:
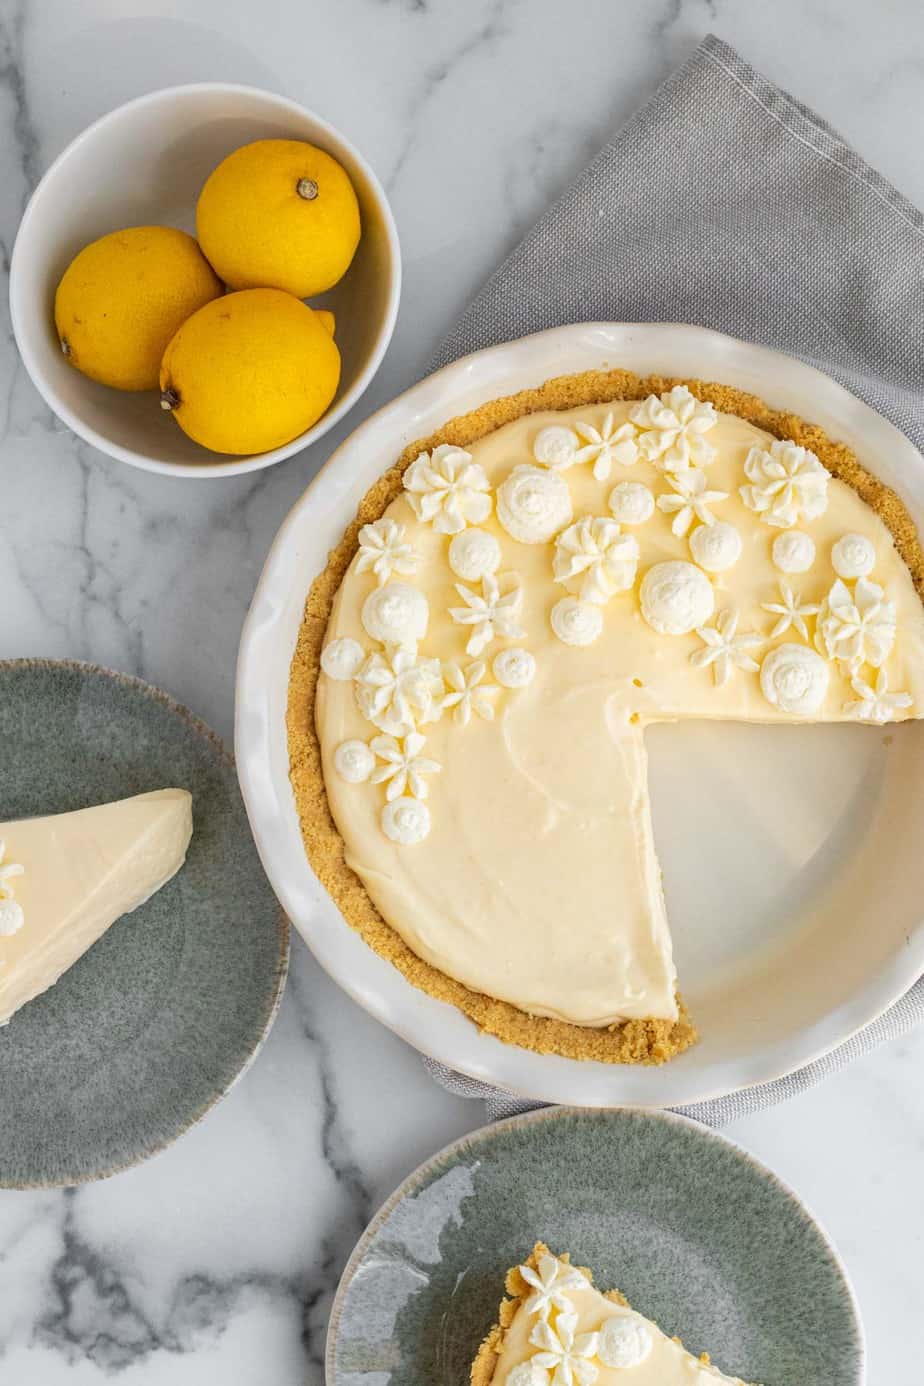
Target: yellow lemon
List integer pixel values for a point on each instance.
(279, 213)
(123, 297)
(250, 371)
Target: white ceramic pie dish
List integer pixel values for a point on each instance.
(791, 859)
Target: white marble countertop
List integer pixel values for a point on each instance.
(216, 1261)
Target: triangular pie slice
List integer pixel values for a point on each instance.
(556, 1329)
(64, 879)
(480, 740)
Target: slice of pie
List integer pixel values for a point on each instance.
(555, 1329)
(521, 596)
(64, 879)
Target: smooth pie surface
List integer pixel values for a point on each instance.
(538, 883)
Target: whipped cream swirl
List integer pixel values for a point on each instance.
(853, 556)
(396, 614)
(576, 622)
(405, 821)
(605, 445)
(631, 503)
(793, 552)
(556, 447)
(533, 504)
(12, 917)
(474, 554)
(514, 668)
(342, 658)
(567, 1354)
(551, 1283)
(716, 547)
(794, 679)
(354, 761)
(625, 1341)
(676, 598)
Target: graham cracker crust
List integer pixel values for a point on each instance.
(634, 1041)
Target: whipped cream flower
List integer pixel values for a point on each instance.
(791, 611)
(550, 1284)
(467, 693)
(875, 703)
(788, 484)
(725, 648)
(690, 501)
(856, 627)
(565, 1354)
(625, 1341)
(405, 769)
(595, 559)
(533, 504)
(398, 689)
(383, 548)
(794, 679)
(673, 427)
(448, 489)
(491, 614)
(605, 445)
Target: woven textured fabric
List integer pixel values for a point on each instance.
(725, 202)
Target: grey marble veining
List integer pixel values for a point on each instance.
(217, 1261)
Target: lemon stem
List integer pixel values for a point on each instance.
(65, 346)
(169, 399)
(307, 188)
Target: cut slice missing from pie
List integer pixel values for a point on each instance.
(555, 1329)
(64, 879)
(520, 597)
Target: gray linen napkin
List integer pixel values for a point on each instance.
(725, 202)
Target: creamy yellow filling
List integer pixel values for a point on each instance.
(538, 882)
(82, 871)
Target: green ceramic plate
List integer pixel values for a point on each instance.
(153, 1025)
(695, 1233)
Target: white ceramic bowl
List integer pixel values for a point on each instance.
(795, 899)
(144, 163)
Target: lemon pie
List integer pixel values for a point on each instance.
(66, 878)
(556, 1329)
(520, 597)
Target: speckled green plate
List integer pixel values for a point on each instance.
(154, 1024)
(695, 1233)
